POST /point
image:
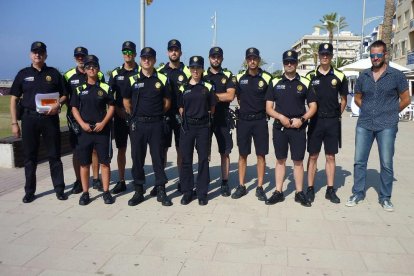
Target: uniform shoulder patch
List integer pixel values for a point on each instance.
(69, 73)
(305, 81)
(104, 86)
(162, 78)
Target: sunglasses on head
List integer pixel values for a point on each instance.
(378, 55)
(128, 52)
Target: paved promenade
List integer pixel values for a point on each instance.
(226, 237)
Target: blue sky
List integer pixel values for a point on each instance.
(102, 26)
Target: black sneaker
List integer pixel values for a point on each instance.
(275, 198)
(61, 196)
(310, 194)
(331, 195)
(301, 198)
(202, 201)
(77, 187)
(107, 198)
(153, 191)
(28, 198)
(260, 194)
(225, 189)
(84, 199)
(119, 187)
(97, 184)
(136, 199)
(162, 196)
(187, 198)
(239, 192)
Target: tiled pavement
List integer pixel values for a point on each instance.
(226, 237)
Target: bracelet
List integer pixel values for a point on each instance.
(14, 124)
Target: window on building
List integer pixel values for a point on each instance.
(403, 48)
(406, 18)
(399, 23)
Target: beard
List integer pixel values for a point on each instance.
(174, 59)
(378, 65)
(216, 66)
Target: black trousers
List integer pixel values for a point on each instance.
(198, 137)
(34, 125)
(150, 134)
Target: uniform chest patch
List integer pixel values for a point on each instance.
(157, 85)
(244, 82)
(120, 78)
(334, 82)
(139, 85)
(74, 82)
(299, 88)
(223, 80)
(261, 84)
(48, 78)
(316, 82)
(29, 79)
(187, 91)
(85, 92)
(180, 78)
(100, 93)
(281, 86)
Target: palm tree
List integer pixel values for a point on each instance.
(311, 53)
(262, 62)
(329, 23)
(389, 11)
(341, 62)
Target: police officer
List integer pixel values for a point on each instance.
(196, 104)
(119, 81)
(328, 83)
(225, 88)
(177, 74)
(89, 107)
(285, 102)
(74, 78)
(146, 101)
(38, 78)
(250, 90)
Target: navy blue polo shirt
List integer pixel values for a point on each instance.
(290, 95)
(251, 91)
(327, 88)
(29, 82)
(92, 101)
(147, 94)
(380, 100)
(197, 99)
(222, 81)
(119, 81)
(74, 78)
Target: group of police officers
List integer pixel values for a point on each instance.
(151, 105)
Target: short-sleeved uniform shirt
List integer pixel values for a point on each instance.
(327, 88)
(222, 81)
(380, 100)
(290, 95)
(147, 94)
(251, 91)
(119, 81)
(92, 101)
(74, 78)
(176, 77)
(29, 82)
(197, 99)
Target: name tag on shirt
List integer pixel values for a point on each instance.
(74, 82)
(29, 79)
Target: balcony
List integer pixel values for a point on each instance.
(410, 57)
(412, 25)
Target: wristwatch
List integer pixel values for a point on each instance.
(302, 119)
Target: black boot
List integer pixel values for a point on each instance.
(162, 196)
(138, 196)
(119, 187)
(331, 195)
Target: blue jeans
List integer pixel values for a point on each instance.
(363, 143)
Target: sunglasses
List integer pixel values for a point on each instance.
(39, 52)
(378, 55)
(128, 52)
(287, 62)
(91, 66)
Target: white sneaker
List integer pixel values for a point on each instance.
(387, 206)
(353, 200)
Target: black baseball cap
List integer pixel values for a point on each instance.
(91, 59)
(38, 46)
(174, 43)
(148, 52)
(252, 52)
(80, 51)
(196, 61)
(290, 55)
(129, 45)
(216, 51)
(325, 48)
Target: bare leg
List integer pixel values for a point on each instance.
(225, 166)
(76, 166)
(95, 164)
(84, 172)
(311, 168)
(261, 165)
(330, 169)
(121, 159)
(280, 170)
(242, 168)
(298, 175)
(106, 176)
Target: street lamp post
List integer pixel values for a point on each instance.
(142, 33)
(214, 27)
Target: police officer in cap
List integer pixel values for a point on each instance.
(30, 81)
(74, 78)
(251, 89)
(146, 101)
(328, 83)
(225, 88)
(177, 74)
(93, 108)
(196, 104)
(119, 81)
(285, 102)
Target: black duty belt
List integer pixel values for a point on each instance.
(252, 117)
(148, 119)
(197, 121)
(321, 114)
(33, 112)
